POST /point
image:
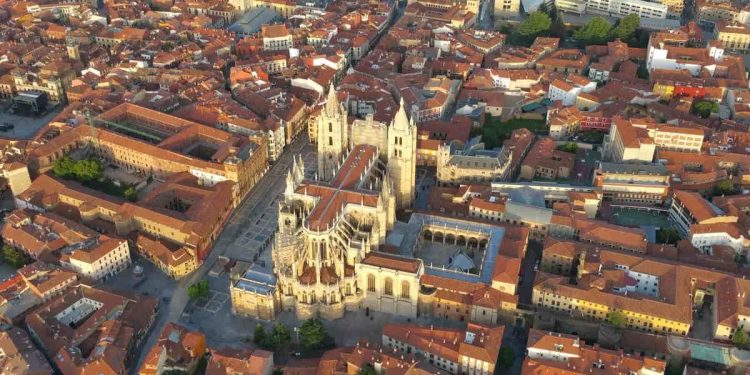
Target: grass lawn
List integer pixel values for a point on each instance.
(494, 132)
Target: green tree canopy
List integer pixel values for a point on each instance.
(740, 338)
(198, 290)
(626, 27)
(14, 257)
(313, 335)
(596, 31)
(667, 236)
(616, 319)
(571, 147)
(704, 108)
(367, 370)
(130, 193)
(259, 336)
(280, 336)
(724, 187)
(537, 24)
(81, 170)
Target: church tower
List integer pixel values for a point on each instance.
(333, 136)
(402, 157)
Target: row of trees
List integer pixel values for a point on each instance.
(597, 31)
(312, 336)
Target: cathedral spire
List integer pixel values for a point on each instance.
(401, 121)
(332, 103)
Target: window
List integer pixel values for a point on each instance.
(330, 141)
(370, 283)
(405, 289)
(388, 287)
(330, 127)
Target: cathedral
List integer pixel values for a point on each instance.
(329, 225)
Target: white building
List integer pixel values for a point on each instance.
(106, 258)
(706, 236)
(568, 91)
(614, 8)
(661, 55)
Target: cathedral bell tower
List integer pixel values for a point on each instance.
(402, 157)
(333, 136)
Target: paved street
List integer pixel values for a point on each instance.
(425, 181)
(256, 232)
(256, 202)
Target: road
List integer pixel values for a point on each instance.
(256, 201)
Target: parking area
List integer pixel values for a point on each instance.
(24, 126)
(213, 302)
(151, 281)
(254, 241)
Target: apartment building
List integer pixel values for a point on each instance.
(276, 37)
(636, 140)
(652, 295)
(733, 36)
(112, 323)
(690, 208)
(545, 161)
(473, 350)
(667, 50)
(567, 90)
(712, 12)
(550, 352)
(615, 8)
(472, 163)
(20, 356)
(106, 258)
(177, 349)
(633, 184)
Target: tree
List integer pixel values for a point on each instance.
(667, 236)
(130, 193)
(724, 187)
(198, 290)
(626, 27)
(313, 335)
(81, 170)
(278, 371)
(704, 108)
(259, 336)
(596, 31)
(367, 370)
(537, 24)
(506, 357)
(571, 147)
(87, 170)
(280, 336)
(616, 319)
(15, 257)
(740, 338)
(63, 167)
